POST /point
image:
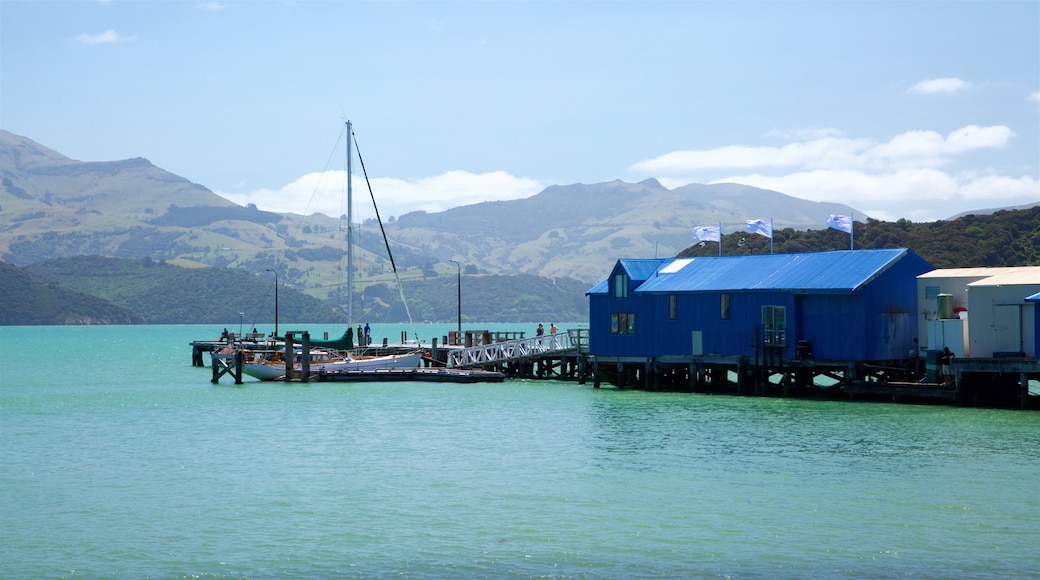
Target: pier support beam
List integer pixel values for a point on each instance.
(227, 363)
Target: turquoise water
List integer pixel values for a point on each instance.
(120, 460)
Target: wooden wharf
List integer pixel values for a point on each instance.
(998, 382)
(473, 356)
(562, 356)
(483, 356)
(201, 347)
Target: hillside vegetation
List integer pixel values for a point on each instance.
(158, 293)
(525, 260)
(165, 294)
(1004, 238)
(55, 207)
(100, 290)
(27, 299)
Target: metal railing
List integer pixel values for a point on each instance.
(572, 340)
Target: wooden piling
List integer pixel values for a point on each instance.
(227, 363)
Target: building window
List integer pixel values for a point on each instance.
(623, 323)
(673, 307)
(774, 325)
(620, 286)
(724, 307)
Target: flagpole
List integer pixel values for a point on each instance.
(770, 235)
(720, 239)
(852, 228)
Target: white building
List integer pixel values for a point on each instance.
(979, 312)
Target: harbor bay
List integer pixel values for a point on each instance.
(121, 459)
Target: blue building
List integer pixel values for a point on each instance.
(829, 306)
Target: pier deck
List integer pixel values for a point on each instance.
(432, 375)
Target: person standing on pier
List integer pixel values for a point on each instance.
(914, 356)
(552, 328)
(540, 331)
(946, 359)
(368, 335)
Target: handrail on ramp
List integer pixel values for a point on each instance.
(573, 340)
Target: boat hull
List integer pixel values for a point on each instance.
(276, 371)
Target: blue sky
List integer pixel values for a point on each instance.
(919, 110)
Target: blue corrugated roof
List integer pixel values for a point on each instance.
(829, 272)
(643, 268)
(600, 288)
(638, 269)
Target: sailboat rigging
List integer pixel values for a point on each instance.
(271, 365)
(382, 230)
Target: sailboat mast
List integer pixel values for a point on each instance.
(350, 229)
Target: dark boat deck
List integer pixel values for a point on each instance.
(435, 375)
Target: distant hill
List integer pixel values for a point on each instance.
(1001, 239)
(54, 207)
(992, 211)
(579, 230)
(101, 290)
(27, 299)
(166, 294)
(528, 258)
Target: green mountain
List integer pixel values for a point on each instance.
(166, 294)
(191, 256)
(73, 290)
(53, 207)
(28, 299)
(999, 239)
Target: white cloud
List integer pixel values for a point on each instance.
(906, 176)
(916, 194)
(326, 193)
(943, 85)
(913, 148)
(803, 134)
(106, 37)
(1035, 96)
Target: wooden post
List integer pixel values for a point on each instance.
(227, 363)
(305, 357)
(216, 369)
(238, 367)
(289, 356)
(1023, 380)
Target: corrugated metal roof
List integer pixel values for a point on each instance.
(824, 272)
(600, 288)
(642, 268)
(1011, 277)
(638, 269)
(973, 272)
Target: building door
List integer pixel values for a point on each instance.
(1007, 328)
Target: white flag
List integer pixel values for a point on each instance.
(840, 222)
(707, 234)
(762, 228)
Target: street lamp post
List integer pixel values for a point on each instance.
(459, 267)
(240, 316)
(275, 301)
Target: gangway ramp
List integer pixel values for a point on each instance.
(571, 342)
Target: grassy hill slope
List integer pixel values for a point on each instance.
(28, 299)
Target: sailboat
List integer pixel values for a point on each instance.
(339, 354)
(271, 366)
